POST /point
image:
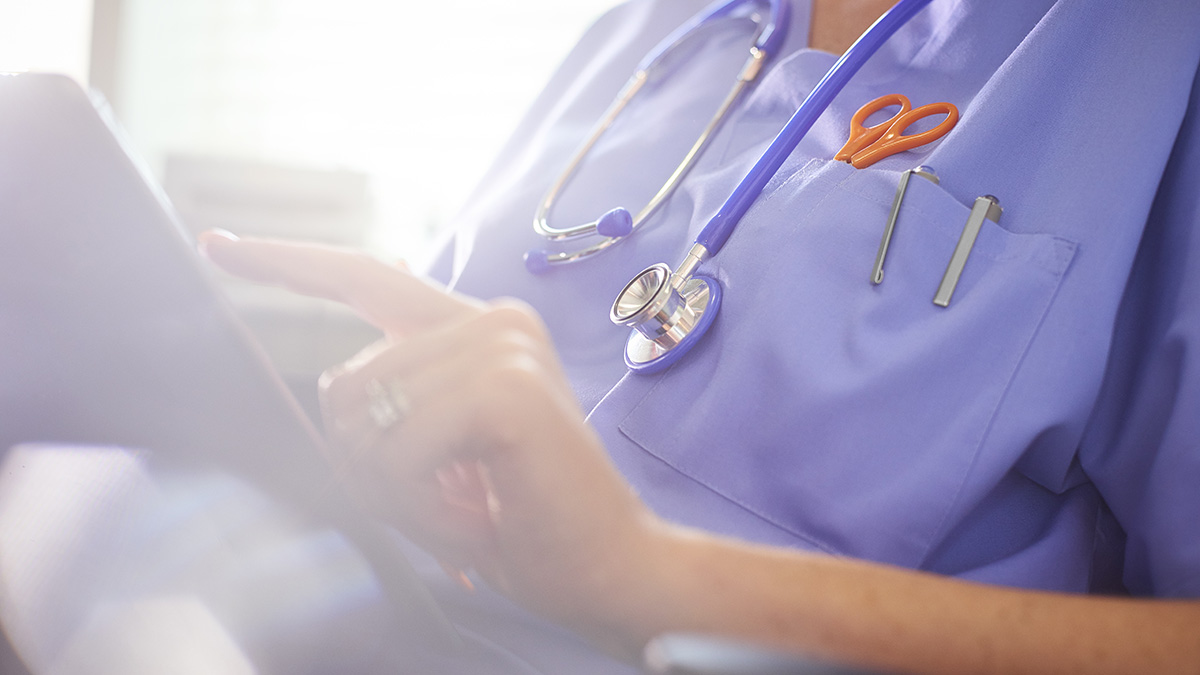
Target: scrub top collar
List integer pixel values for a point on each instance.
(924, 31)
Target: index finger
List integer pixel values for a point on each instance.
(388, 296)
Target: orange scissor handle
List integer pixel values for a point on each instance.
(860, 136)
(894, 140)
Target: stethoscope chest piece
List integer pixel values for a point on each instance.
(670, 311)
(668, 316)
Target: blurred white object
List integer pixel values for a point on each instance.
(56, 508)
(367, 84)
(176, 635)
(272, 200)
(108, 568)
(303, 336)
(68, 554)
(47, 35)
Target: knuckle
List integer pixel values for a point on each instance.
(513, 314)
(520, 371)
(511, 345)
(510, 379)
(511, 332)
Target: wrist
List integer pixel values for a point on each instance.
(646, 589)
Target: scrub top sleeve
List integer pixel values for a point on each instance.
(1143, 447)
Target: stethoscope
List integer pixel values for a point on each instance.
(617, 224)
(670, 310)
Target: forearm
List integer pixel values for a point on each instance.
(894, 618)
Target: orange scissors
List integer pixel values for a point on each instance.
(868, 145)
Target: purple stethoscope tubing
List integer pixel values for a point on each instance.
(718, 229)
(669, 311)
(768, 41)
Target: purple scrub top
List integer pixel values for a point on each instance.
(1043, 431)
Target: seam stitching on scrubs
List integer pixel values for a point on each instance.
(770, 193)
(1055, 266)
(987, 430)
(807, 538)
(810, 539)
(935, 36)
(797, 221)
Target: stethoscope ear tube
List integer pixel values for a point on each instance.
(613, 229)
(768, 37)
(773, 34)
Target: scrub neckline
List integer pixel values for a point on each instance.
(893, 58)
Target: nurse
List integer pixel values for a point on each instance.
(839, 468)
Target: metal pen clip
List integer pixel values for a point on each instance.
(922, 171)
(986, 206)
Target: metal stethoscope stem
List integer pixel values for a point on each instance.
(653, 304)
(668, 311)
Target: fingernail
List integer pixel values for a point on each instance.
(208, 237)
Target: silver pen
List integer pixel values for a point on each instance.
(922, 171)
(987, 207)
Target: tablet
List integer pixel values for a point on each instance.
(114, 332)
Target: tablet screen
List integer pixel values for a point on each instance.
(112, 330)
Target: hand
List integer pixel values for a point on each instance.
(492, 465)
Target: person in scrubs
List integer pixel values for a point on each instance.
(838, 468)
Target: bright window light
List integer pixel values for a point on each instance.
(420, 96)
(46, 35)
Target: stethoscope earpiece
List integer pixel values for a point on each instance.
(537, 261)
(614, 226)
(617, 223)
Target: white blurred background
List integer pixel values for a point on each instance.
(358, 122)
(361, 122)
(380, 114)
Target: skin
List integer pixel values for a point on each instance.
(836, 24)
(494, 468)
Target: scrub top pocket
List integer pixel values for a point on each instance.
(844, 413)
